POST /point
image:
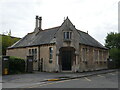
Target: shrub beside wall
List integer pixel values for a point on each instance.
(16, 65)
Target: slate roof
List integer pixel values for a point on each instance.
(31, 39)
(47, 37)
(86, 39)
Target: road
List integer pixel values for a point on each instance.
(108, 80)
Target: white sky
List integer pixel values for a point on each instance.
(98, 17)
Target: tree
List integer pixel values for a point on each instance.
(6, 42)
(112, 42)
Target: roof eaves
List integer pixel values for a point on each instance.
(29, 46)
(93, 46)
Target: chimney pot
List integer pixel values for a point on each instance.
(40, 18)
(37, 17)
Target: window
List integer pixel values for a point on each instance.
(96, 55)
(100, 55)
(50, 54)
(67, 35)
(105, 55)
(33, 52)
(70, 34)
(84, 53)
(30, 52)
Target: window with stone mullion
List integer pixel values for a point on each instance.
(33, 52)
(67, 35)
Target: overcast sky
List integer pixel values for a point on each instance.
(98, 17)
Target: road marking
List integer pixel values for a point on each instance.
(111, 73)
(54, 82)
(87, 79)
(40, 85)
(100, 76)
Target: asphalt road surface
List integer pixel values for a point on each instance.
(109, 80)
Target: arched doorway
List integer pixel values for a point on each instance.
(66, 58)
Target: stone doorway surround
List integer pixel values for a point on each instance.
(67, 58)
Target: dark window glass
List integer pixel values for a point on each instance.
(67, 35)
(30, 52)
(64, 35)
(70, 34)
(51, 53)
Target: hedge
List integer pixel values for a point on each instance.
(16, 65)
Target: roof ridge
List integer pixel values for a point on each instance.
(51, 28)
(31, 33)
(45, 29)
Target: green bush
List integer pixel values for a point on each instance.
(16, 65)
(115, 56)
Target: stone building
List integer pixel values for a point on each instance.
(61, 48)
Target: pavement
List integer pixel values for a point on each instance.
(22, 80)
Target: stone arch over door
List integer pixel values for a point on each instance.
(67, 58)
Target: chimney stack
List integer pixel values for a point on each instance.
(37, 18)
(40, 23)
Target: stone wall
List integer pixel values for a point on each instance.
(17, 52)
(44, 53)
(91, 63)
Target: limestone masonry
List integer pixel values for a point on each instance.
(61, 48)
